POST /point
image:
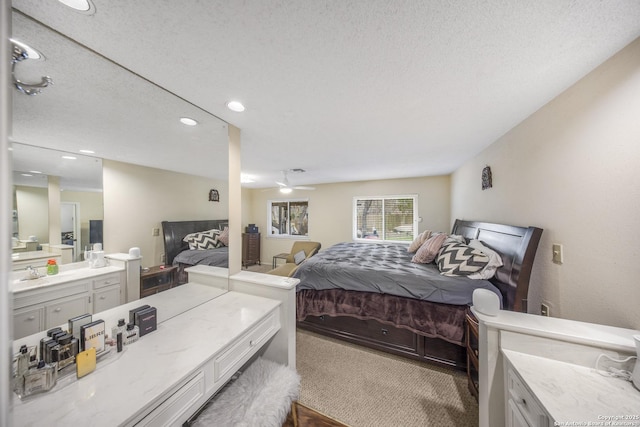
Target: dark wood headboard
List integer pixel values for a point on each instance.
(174, 232)
(517, 247)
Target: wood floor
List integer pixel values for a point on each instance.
(303, 416)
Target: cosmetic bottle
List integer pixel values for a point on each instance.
(40, 379)
(121, 328)
(132, 334)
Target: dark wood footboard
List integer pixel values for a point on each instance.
(389, 339)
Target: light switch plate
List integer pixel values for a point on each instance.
(556, 250)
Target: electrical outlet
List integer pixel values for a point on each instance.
(544, 310)
(162, 258)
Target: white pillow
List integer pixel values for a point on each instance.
(299, 257)
(495, 261)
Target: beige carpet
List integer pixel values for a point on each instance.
(362, 387)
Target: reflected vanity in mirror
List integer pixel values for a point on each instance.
(77, 201)
(144, 167)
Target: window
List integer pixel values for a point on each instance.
(288, 218)
(385, 218)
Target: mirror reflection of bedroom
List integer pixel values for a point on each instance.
(387, 213)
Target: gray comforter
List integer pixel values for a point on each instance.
(387, 269)
(218, 257)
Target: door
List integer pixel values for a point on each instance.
(70, 226)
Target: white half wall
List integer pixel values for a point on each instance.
(573, 169)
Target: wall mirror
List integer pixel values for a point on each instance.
(132, 128)
(81, 202)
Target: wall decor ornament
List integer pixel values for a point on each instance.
(214, 196)
(486, 178)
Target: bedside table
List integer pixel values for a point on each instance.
(471, 334)
(157, 279)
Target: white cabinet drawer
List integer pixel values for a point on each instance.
(106, 280)
(177, 408)
(27, 321)
(245, 346)
(521, 399)
(58, 312)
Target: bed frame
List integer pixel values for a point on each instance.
(174, 231)
(517, 247)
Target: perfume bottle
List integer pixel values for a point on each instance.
(132, 334)
(122, 327)
(40, 379)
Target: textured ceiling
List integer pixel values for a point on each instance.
(356, 90)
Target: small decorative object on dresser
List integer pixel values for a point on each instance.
(250, 249)
(157, 279)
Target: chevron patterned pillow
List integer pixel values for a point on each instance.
(458, 259)
(203, 240)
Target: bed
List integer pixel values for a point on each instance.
(177, 251)
(393, 314)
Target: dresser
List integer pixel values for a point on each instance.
(540, 372)
(250, 249)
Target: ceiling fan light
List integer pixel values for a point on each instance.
(286, 190)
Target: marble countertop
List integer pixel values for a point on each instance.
(31, 255)
(117, 391)
(601, 336)
(574, 393)
(18, 285)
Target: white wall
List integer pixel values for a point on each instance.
(137, 199)
(573, 169)
(330, 208)
(33, 213)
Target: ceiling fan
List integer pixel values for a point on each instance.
(285, 187)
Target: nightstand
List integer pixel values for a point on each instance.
(157, 279)
(471, 334)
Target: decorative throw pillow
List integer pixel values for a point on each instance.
(203, 240)
(457, 259)
(495, 261)
(418, 241)
(429, 249)
(299, 257)
(224, 236)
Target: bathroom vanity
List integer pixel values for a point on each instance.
(206, 332)
(540, 371)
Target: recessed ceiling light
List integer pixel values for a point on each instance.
(80, 5)
(87, 151)
(31, 52)
(187, 121)
(69, 157)
(235, 106)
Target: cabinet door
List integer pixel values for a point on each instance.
(514, 417)
(28, 321)
(106, 298)
(59, 311)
